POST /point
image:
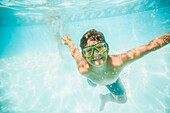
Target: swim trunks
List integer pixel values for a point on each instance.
(115, 88)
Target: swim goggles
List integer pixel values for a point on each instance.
(101, 47)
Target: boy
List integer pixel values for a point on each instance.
(103, 69)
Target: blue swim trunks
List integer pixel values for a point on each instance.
(115, 88)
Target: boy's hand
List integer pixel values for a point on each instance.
(66, 39)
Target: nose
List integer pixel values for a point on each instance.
(95, 52)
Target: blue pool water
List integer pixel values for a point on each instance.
(38, 74)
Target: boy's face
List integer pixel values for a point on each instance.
(97, 58)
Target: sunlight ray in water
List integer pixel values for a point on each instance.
(39, 75)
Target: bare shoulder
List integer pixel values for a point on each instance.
(83, 66)
(115, 60)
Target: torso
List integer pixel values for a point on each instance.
(105, 75)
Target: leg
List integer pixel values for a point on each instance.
(117, 94)
(121, 99)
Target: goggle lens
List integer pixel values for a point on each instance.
(101, 47)
(88, 51)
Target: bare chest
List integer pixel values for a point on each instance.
(103, 77)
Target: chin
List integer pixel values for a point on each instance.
(99, 65)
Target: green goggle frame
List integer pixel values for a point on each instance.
(101, 47)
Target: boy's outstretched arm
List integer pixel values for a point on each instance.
(82, 64)
(138, 52)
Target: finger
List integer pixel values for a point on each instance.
(67, 35)
(64, 43)
(62, 37)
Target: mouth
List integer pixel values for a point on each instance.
(97, 58)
